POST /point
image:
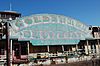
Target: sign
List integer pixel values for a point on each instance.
(24, 22)
(49, 29)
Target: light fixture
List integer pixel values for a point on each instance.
(10, 18)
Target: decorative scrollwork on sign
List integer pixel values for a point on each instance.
(28, 21)
(37, 19)
(19, 23)
(27, 34)
(45, 19)
(49, 18)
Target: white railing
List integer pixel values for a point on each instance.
(2, 57)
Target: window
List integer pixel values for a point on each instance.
(1, 51)
(2, 15)
(24, 50)
(7, 16)
(17, 50)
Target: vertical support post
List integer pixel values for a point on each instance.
(19, 49)
(48, 48)
(98, 46)
(48, 51)
(7, 44)
(76, 46)
(11, 52)
(28, 48)
(62, 48)
(87, 46)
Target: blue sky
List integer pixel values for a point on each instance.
(86, 11)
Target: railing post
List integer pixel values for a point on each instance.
(87, 42)
(11, 52)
